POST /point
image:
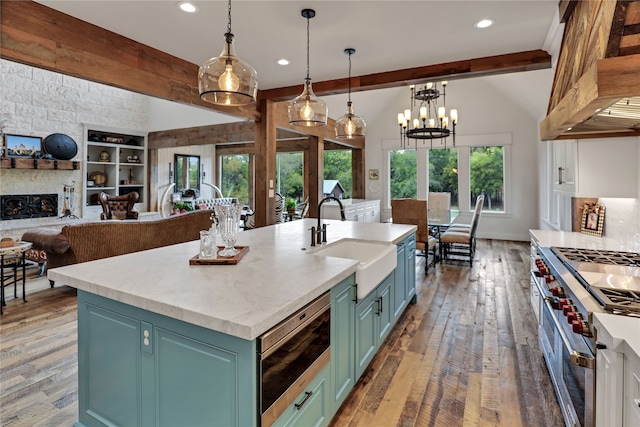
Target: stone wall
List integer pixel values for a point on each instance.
(37, 102)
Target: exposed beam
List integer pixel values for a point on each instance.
(226, 133)
(42, 37)
(490, 65)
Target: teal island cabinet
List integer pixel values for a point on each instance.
(170, 344)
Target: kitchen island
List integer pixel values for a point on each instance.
(176, 343)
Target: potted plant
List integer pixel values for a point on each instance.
(181, 207)
(290, 206)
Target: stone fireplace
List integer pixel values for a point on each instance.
(24, 206)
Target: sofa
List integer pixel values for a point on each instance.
(89, 241)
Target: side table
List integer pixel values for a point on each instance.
(11, 258)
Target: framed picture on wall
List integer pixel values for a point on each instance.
(592, 219)
(21, 145)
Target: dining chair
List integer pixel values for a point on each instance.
(412, 211)
(461, 242)
(302, 209)
(461, 226)
(439, 201)
(279, 208)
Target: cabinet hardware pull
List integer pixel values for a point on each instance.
(560, 169)
(380, 303)
(307, 395)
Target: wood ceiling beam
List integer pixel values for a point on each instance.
(490, 65)
(36, 35)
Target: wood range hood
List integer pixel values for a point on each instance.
(596, 88)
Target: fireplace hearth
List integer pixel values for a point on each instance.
(25, 206)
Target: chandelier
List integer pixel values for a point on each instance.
(227, 79)
(431, 122)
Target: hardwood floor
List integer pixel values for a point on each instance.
(466, 354)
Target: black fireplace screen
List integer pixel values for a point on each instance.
(28, 206)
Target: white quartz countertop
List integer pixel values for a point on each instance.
(567, 239)
(273, 280)
(624, 329)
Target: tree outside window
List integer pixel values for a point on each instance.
(487, 176)
(443, 173)
(235, 176)
(337, 165)
(290, 175)
(403, 169)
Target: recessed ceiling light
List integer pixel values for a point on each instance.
(485, 23)
(283, 61)
(185, 6)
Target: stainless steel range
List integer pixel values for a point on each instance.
(574, 284)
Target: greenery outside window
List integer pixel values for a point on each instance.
(487, 176)
(234, 173)
(443, 173)
(403, 167)
(290, 175)
(337, 165)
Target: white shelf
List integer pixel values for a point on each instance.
(121, 145)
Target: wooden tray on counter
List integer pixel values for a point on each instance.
(233, 260)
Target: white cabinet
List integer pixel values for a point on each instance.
(605, 167)
(617, 370)
(116, 163)
(631, 380)
(564, 165)
(360, 210)
(609, 367)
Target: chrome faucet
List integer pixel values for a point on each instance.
(321, 232)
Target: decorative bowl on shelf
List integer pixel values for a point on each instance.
(99, 177)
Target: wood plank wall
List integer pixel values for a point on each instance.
(595, 30)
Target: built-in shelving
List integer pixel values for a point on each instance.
(119, 158)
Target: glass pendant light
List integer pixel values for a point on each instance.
(227, 79)
(350, 126)
(306, 109)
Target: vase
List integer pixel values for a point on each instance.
(228, 218)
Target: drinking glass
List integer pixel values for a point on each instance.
(207, 245)
(228, 224)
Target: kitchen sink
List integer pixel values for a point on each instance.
(377, 260)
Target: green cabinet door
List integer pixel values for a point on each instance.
(386, 318)
(366, 331)
(137, 368)
(410, 268)
(343, 308)
(399, 293)
(374, 320)
(312, 407)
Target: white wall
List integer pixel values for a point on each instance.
(482, 110)
(37, 102)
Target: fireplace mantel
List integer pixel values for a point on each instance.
(29, 163)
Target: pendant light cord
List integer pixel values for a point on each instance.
(308, 78)
(349, 77)
(229, 18)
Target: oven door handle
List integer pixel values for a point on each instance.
(575, 357)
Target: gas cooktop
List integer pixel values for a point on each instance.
(612, 277)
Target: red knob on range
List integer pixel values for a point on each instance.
(580, 327)
(549, 278)
(543, 270)
(571, 317)
(562, 302)
(568, 308)
(557, 292)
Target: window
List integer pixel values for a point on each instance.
(234, 171)
(289, 175)
(403, 167)
(487, 176)
(337, 165)
(443, 173)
